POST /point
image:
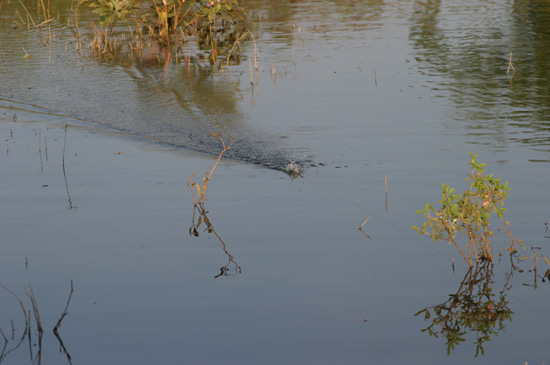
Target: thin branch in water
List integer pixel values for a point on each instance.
(510, 66)
(70, 206)
(40, 149)
(361, 228)
(386, 184)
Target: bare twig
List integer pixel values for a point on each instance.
(361, 227)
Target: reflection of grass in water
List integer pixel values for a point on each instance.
(27, 329)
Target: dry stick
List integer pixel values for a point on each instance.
(386, 184)
(251, 74)
(40, 149)
(510, 77)
(366, 220)
(225, 148)
(201, 195)
(510, 66)
(51, 41)
(64, 173)
(28, 14)
(361, 227)
(236, 42)
(64, 146)
(255, 53)
(17, 14)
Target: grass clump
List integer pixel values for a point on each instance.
(167, 22)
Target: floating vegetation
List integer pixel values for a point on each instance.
(468, 215)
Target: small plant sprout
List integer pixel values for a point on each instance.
(464, 220)
(200, 189)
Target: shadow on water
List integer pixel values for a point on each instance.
(469, 56)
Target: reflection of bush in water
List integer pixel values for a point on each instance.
(474, 308)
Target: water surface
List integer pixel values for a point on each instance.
(355, 91)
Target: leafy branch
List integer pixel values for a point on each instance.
(469, 215)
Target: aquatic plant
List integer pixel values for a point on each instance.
(211, 23)
(201, 189)
(198, 192)
(469, 215)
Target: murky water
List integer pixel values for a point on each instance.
(357, 92)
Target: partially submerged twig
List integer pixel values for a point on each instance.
(201, 192)
(361, 227)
